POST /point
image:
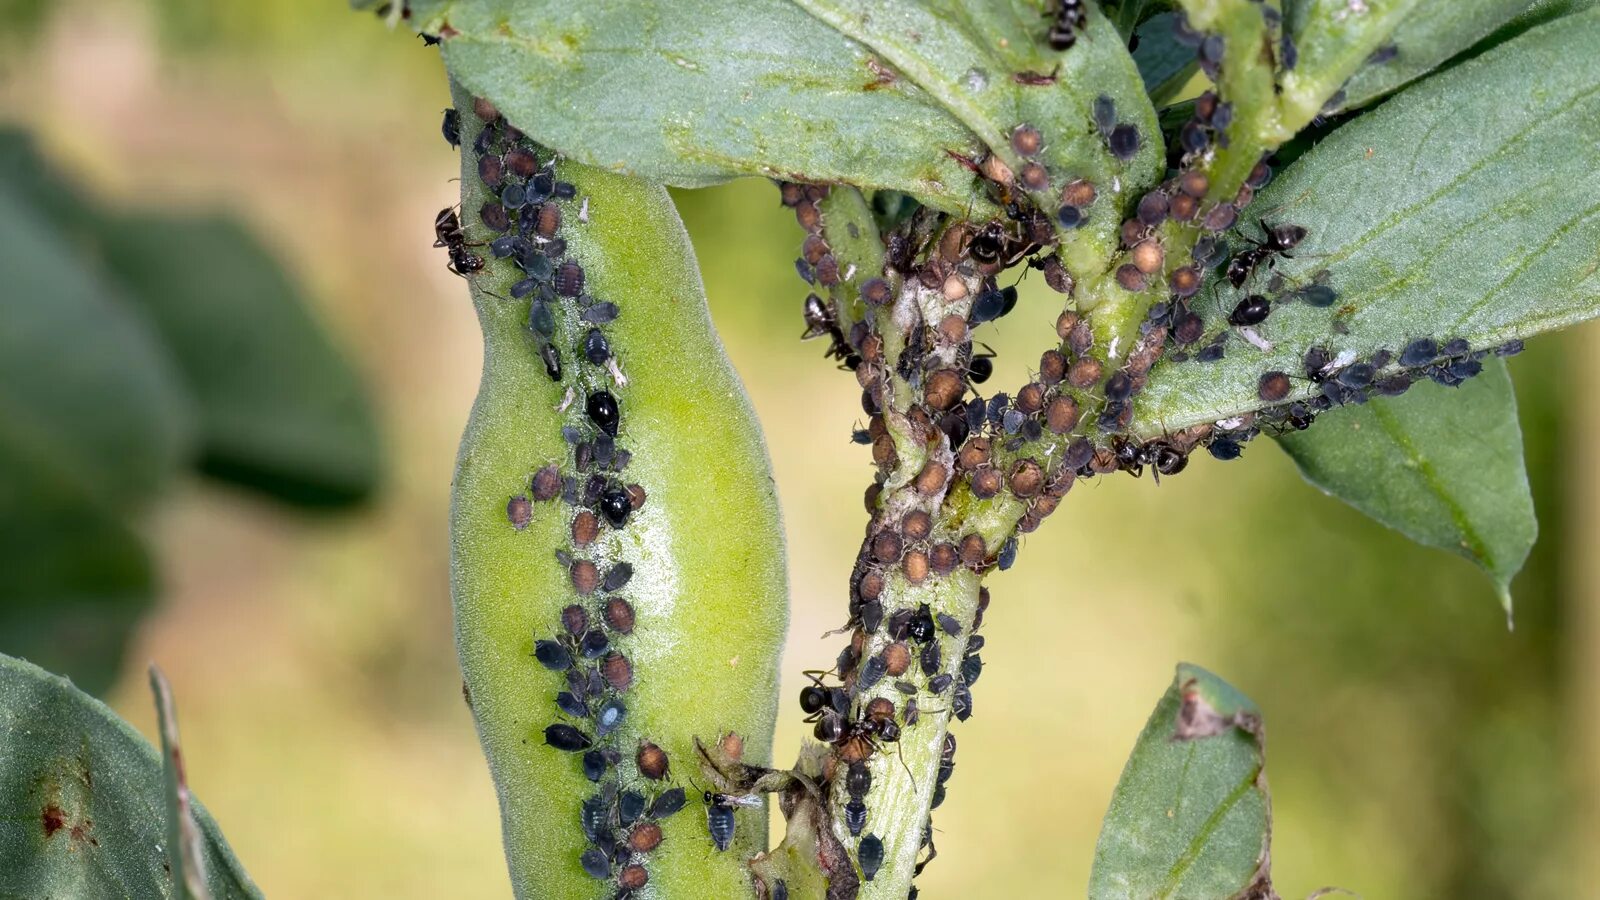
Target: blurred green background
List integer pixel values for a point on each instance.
(1416, 747)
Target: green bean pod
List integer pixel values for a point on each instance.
(642, 574)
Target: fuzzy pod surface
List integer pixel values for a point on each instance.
(708, 585)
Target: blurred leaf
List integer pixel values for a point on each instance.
(1444, 469)
(83, 382)
(696, 92)
(1161, 59)
(1431, 35)
(281, 408)
(74, 579)
(185, 845)
(81, 800)
(1191, 817)
(1465, 207)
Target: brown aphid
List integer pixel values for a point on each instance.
(887, 546)
(880, 709)
(1060, 483)
(519, 510)
(807, 214)
(1130, 278)
(931, 277)
(633, 877)
(522, 162)
(1245, 195)
(828, 271)
(732, 745)
(1184, 281)
(932, 479)
(585, 528)
(1152, 209)
(1035, 178)
(1026, 140)
(1221, 217)
(973, 551)
(986, 483)
(575, 619)
(791, 194)
(995, 169)
(974, 453)
(1085, 373)
(619, 615)
(1183, 208)
(943, 389)
(568, 280)
(917, 525)
(1079, 193)
(548, 221)
(814, 248)
(1188, 328)
(1104, 461)
(644, 837)
(867, 376)
(883, 452)
(1052, 367)
(494, 216)
(953, 243)
(1273, 386)
(1030, 398)
(1056, 276)
(637, 496)
(1148, 256)
(870, 497)
(943, 558)
(485, 109)
(921, 423)
(1081, 340)
(953, 328)
(1027, 479)
(896, 659)
(871, 586)
(954, 288)
(876, 291)
(915, 566)
(1133, 231)
(585, 577)
(1061, 416)
(652, 761)
(1065, 322)
(491, 170)
(617, 671)
(546, 483)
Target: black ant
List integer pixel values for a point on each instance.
(825, 706)
(1279, 240)
(449, 234)
(820, 321)
(1068, 19)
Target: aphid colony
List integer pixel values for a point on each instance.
(567, 328)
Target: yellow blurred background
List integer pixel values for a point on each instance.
(1417, 749)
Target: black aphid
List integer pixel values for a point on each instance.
(552, 655)
(564, 737)
(855, 816)
(571, 705)
(595, 863)
(596, 349)
(451, 127)
(668, 802)
(615, 505)
(603, 412)
(870, 855)
(618, 577)
(1252, 310)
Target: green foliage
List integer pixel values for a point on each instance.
(82, 800)
(1191, 816)
(1407, 462)
(1465, 207)
(1431, 35)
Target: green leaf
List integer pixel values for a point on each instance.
(81, 800)
(83, 381)
(1164, 64)
(281, 408)
(1442, 466)
(74, 579)
(696, 92)
(1191, 817)
(1466, 207)
(185, 844)
(1431, 35)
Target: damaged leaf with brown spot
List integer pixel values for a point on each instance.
(83, 800)
(1192, 816)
